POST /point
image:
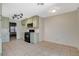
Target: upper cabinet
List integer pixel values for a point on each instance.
(23, 22)
(35, 21)
(32, 20)
(29, 20)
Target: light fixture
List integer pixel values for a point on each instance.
(17, 16)
(53, 11)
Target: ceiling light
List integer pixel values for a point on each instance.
(17, 16)
(54, 11)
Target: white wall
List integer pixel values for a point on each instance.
(78, 20)
(5, 29)
(19, 30)
(0, 9)
(62, 29)
(41, 29)
(0, 30)
(0, 38)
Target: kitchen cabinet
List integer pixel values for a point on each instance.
(33, 19)
(36, 21)
(30, 20)
(34, 38)
(23, 22)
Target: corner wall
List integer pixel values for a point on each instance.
(19, 30)
(41, 29)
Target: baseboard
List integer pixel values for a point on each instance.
(62, 44)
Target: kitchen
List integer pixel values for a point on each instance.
(32, 29)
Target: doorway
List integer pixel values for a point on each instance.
(12, 30)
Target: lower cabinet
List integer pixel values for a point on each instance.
(34, 37)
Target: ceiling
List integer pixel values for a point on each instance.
(31, 9)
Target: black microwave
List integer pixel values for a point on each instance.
(30, 25)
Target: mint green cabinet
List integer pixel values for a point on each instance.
(33, 19)
(23, 22)
(30, 20)
(36, 21)
(34, 38)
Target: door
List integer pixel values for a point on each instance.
(12, 30)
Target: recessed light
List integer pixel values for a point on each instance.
(53, 11)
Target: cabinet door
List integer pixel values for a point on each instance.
(34, 37)
(29, 20)
(23, 22)
(36, 21)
